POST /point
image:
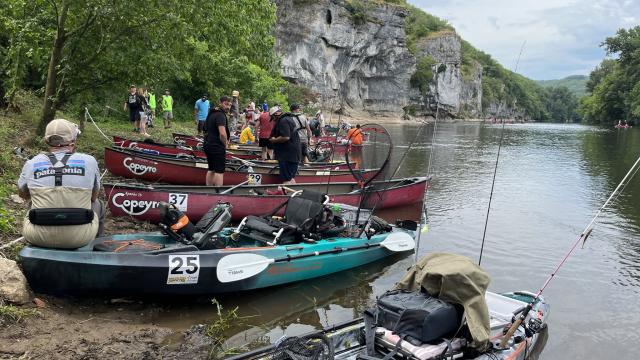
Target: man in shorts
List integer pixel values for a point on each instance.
(133, 105)
(286, 144)
(62, 181)
(265, 125)
(167, 109)
(201, 110)
(216, 140)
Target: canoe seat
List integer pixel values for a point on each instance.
(302, 215)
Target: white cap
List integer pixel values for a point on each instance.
(61, 132)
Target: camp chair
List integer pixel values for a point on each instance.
(302, 214)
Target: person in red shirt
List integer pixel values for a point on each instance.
(265, 125)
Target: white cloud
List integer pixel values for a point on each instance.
(562, 36)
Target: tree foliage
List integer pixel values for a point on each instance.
(614, 86)
(186, 45)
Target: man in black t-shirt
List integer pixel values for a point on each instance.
(134, 107)
(286, 144)
(216, 140)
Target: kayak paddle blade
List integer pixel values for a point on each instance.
(399, 241)
(236, 267)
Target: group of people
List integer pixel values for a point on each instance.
(141, 103)
(284, 136)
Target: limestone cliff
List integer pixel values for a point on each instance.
(358, 60)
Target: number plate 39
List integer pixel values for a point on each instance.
(183, 269)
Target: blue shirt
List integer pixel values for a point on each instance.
(265, 107)
(203, 109)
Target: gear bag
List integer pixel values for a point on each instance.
(416, 316)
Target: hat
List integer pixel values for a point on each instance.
(318, 112)
(60, 132)
(235, 93)
(294, 107)
(274, 110)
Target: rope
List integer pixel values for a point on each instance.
(86, 112)
(12, 242)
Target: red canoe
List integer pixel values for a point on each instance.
(141, 202)
(188, 172)
(173, 149)
(182, 152)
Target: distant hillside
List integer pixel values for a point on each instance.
(575, 83)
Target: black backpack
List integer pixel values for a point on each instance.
(416, 316)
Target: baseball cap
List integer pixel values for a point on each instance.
(61, 132)
(295, 107)
(274, 110)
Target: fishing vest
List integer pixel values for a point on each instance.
(72, 206)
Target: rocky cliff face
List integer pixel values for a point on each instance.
(362, 63)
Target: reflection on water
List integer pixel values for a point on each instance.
(550, 182)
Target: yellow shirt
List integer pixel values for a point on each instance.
(246, 135)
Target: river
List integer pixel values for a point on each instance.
(550, 181)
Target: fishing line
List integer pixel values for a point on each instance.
(583, 237)
(423, 213)
(495, 170)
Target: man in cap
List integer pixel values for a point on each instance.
(216, 140)
(134, 107)
(63, 187)
(286, 144)
(201, 110)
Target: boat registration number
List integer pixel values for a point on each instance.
(183, 269)
(179, 200)
(254, 179)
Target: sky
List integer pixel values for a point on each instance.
(562, 36)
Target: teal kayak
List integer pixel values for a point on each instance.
(154, 263)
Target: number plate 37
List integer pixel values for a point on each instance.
(183, 269)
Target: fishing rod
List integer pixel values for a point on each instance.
(582, 238)
(495, 170)
(423, 216)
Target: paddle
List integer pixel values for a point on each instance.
(234, 187)
(236, 267)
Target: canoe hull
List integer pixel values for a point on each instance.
(142, 202)
(170, 149)
(149, 168)
(83, 271)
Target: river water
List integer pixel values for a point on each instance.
(551, 179)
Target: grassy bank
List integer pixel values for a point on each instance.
(18, 130)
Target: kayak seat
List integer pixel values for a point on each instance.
(302, 216)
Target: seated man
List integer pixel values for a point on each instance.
(62, 179)
(246, 137)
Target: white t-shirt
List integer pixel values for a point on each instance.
(81, 172)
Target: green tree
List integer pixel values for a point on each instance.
(85, 49)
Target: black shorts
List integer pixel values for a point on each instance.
(215, 159)
(304, 151)
(201, 125)
(288, 170)
(134, 115)
(264, 142)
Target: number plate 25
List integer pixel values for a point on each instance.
(183, 269)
